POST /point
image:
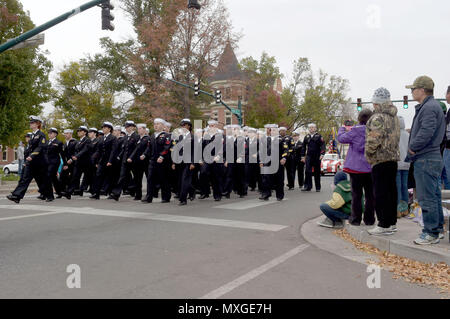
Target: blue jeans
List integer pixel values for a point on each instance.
(446, 171)
(402, 186)
(20, 168)
(334, 215)
(427, 173)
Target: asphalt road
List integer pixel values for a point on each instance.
(232, 249)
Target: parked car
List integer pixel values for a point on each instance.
(12, 167)
(331, 164)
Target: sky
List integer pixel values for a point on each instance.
(371, 43)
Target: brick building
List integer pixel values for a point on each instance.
(233, 83)
(7, 155)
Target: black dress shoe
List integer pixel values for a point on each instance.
(264, 198)
(41, 197)
(191, 198)
(146, 201)
(13, 198)
(203, 196)
(137, 198)
(306, 189)
(165, 201)
(317, 190)
(94, 197)
(176, 196)
(241, 196)
(48, 200)
(103, 193)
(252, 189)
(291, 188)
(217, 199)
(67, 195)
(227, 195)
(59, 196)
(182, 203)
(279, 199)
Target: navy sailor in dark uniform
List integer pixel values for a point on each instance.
(36, 164)
(54, 156)
(312, 154)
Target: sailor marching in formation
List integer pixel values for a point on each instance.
(182, 163)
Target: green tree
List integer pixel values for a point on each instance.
(265, 105)
(24, 75)
(318, 98)
(84, 98)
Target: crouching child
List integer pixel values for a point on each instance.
(339, 207)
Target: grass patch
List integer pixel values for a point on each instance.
(9, 177)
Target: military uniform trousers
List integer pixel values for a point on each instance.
(80, 168)
(211, 175)
(158, 177)
(39, 172)
(312, 162)
(186, 187)
(53, 167)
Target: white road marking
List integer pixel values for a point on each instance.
(27, 216)
(247, 204)
(150, 216)
(219, 292)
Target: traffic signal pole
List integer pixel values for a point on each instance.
(237, 113)
(23, 37)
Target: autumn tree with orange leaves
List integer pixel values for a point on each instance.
(179, 43)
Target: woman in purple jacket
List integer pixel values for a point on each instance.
(359, 169)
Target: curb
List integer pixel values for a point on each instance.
(399, 247)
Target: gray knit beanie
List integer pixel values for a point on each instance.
(381, 96)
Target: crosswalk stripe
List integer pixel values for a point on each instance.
(248, 204)
(150, 216)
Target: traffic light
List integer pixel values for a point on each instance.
(196, 88)
(193, 4)
(218, 96)
(405, 102)
(107, 17)
(359, 108)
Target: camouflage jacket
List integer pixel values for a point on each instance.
(383, 136)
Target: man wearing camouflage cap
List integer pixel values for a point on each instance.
(427, 133)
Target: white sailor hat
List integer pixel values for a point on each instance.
(117, 128)
(54, 130)
(252, 130)
(83, 128)
(185, 121)
(271, 126)
(212, 122)
(93, 129)
(261, 132)
(34, 118)
(167, 124)
(130, 123)
(141, 125)
(107, 124)
(66, 131)
(283, 128)
(158, 120)
(245, 128)
(123, 130)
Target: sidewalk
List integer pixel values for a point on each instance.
(400, 243)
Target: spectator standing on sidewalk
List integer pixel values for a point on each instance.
(359, 170)
(382, 152)
(447, 139)
(20, 157)
(403, 167)
(427, 133)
